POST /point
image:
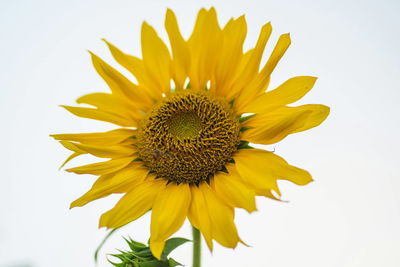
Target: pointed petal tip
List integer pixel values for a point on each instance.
(251, 210)
(287, 36)
(156, 248)
(103, 222)
(145, 25)
(244, 243)
(267, 25)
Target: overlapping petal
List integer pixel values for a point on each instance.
(180, 51)
(132, 205)
(289, 92)
(115, 151)
(112, 137)
(147, 86)
(156, 58)
(101, 115)
(204, 46)
(198, 215)
(271, 127)
(261, 169)
(111, 103)
(234, 34)
(233, 191)
(169, 212)
(121, 181)
(119, 84)
(104, 167)
(260, 82)
(253, 64)
(221, 218)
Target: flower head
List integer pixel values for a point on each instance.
(183, 150)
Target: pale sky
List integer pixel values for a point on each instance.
(348, 217)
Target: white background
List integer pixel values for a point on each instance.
(349, 216)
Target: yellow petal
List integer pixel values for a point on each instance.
(119, 182)
(279, 50)
(234, 34)
(318, 114)
(101, 151)
(235, 193)
(111, 103)
(156, 58)
(180, 50)
(255, 170)
(72, 156)
(72, 147)
(263, 168)
(169, 212)
(287, 93)
(132, 205)
(119, 84)
(271, 127)
(221, 216)
(253, 65)
(204, 45)
(147, 87)
(105, 138)
(101, 115)
(104, 167)
(233, 89)
(199, 216)
(260, 82)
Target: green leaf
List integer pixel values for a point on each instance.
(172, 244)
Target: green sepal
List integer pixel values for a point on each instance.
(172, 244)
(173, 263)
(244, 145)
(134, 245)
(245, 118)
(140, 255)
(243, 129)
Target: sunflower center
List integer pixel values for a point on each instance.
(188, 137)
(186, 124)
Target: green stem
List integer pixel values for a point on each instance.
(196, 247)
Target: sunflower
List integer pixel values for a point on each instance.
(186, 125)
